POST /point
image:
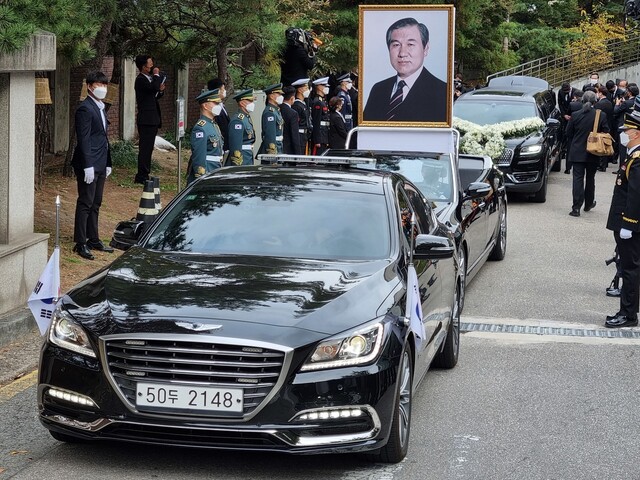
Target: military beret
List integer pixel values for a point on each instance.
(301, 82)
(321, 81)
(344, 78)
(209, 96)
(276, 88)
(244, 95)
(631, 121)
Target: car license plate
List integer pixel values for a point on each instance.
(189, 397)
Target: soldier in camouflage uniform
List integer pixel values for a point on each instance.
(272, 122)
(206, 139)
(242, 136)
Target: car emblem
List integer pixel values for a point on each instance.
(198, 327)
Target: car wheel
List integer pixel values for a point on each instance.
(398, 445)
(63, 437)
(500, 248)
(448, 357)
(541, 195)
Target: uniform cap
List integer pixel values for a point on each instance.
(276, 88)
(344, 78)
(209, 96)
(301, 82)
(631, 121)
(244, 95)
(321, 81)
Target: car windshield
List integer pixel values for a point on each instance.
(431, 173)
(276, 221)
(490, 112)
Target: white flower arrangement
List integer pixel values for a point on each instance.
(489, 139)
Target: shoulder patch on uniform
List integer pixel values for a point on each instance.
(199, 134)
(270, 119)
(238, 126)
(201, 123)
(241, 116)
(636, 154)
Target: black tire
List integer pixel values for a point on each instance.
(63, 437)
(396, 448)
(500, 248)
(541, 195)
(448, 356)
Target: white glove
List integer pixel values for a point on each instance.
(108, 171)
(625, 234)
(89, 175)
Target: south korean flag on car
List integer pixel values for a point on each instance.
(42, 301)
(413, 308)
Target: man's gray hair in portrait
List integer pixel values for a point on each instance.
(409, 22)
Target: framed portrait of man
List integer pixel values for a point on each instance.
(406, 65)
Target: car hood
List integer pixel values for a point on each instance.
(145, 291)
(519, 141)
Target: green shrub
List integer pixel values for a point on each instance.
(124, 154)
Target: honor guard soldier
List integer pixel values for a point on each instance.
(241, 133)
(206, 138)
(301, 106)
(320, 116)
(272, 122)
(624, 221)
(344, 85)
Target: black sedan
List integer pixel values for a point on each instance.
(265, 309)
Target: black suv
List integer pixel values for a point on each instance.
(527, 161)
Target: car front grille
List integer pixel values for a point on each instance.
(254, 369)
(505, 158)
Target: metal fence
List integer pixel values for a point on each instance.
(556, 70)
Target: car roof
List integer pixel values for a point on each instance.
(307, 176)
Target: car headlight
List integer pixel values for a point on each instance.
(530, 150)
(67, 333)
(354, 348)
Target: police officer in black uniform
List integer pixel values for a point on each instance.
(320, 116)
(345, 84)
(624, 221)
(301, 106)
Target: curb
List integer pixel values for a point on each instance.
(16, 325)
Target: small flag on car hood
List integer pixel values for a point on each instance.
(42, 300)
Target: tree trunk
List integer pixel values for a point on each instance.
(223, 66)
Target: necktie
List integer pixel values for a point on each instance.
(396, 100)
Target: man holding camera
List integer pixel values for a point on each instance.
(300, 55)
(149, 87)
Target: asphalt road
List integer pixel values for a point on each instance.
(517, 406)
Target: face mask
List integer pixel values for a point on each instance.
(306, 93)
(250, 107)
(216, 109)
(100, 92)
(349, 85)
(279, 99)
(624, 139)
(622, 89)
(593, 81)
(325, 90)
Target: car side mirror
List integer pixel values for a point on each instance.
(476, 190)
(126, 234)
(553, 122)
(431, 247)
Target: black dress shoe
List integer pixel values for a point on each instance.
(621, 321)
(613, 292)
(574, 213)
(611, 317)
(567, 171)
(82, 250)
(590, 207)
(101, 247)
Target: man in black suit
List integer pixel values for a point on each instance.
(583, 163)
(223, 119)
(414, 94)
(291, 138)
(149, 87)
(605, 105)
(91, 164)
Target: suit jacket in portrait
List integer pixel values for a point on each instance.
(147, 95)
(578, 129)
(92, 149)
(425, 102)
